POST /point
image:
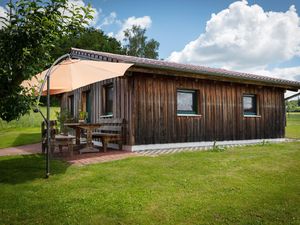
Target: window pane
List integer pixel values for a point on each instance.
(249, 104)
(185, 101)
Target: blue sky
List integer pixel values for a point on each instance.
(176, 22)
(258, 36)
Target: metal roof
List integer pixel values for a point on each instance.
(161, 64)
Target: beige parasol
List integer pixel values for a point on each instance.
(71, 74)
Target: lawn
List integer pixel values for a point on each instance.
(247, 185)
(26, 130)
(293, 125)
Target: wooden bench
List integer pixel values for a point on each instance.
(63, 140)
(111, 130)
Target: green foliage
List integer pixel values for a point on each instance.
(83, 115)
(245, 185)
(89, 38)
(292, 106)
(29, 32)
(138, 45)
(62, 117)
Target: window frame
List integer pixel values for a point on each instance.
(195, 105)
(251, 114)
(105, 102)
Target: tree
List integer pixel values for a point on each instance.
(291, 106)
(138, 45)
(28, 34)
(90, 38)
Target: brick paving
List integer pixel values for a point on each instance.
(77, 159)
(22, 150)
(92, 158)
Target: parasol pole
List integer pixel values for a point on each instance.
(47, 119)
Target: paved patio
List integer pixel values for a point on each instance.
(77, 159)
(92, 158)
(22, 150)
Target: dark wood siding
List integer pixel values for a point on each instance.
(121, 101)
(220, 108)
(148, 104)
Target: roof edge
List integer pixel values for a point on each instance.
(188, 68)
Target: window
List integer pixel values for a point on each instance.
(71, 105)
(187, 102)
(108, 99)
(250, 105)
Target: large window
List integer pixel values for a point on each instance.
(249, 105)
(108, 99)
(187, 102)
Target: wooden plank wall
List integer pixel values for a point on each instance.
(148, 104)
(220, 106)
(121, 104)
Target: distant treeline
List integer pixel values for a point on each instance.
(293, 106)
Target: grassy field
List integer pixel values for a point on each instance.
(293, 125)
(26, 130)
(249, 185)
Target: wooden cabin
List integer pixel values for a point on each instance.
(164, 102)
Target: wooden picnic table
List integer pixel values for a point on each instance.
(89, 127)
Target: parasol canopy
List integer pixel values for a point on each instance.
(71, 74)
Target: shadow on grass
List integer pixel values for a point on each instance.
(26, 138)
(21, 169)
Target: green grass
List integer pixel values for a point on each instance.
(19, 136)
(293, 125)
(26, 130)
(248, 185)
(28, 120)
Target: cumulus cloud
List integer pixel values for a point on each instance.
(110, 19)
(143, 22)
(243, 37)
(289, 73)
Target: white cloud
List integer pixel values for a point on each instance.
(80, 3)
(110, 19)
(143, 22)
(3, 12)
(289, 73)
(243, 37)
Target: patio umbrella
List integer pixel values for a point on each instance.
(71, 74)
(67, 75)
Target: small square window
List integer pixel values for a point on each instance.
(108, 99)
(187, 102)
(250, 105)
